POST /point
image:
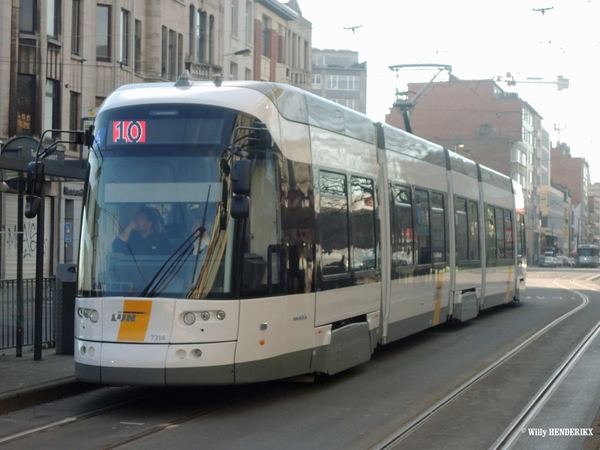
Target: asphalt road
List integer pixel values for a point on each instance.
(358, 408)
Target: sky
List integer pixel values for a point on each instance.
(480, 39)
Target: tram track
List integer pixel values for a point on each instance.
(512, 433)
(80, 417)
(211, 407)
(216, 403)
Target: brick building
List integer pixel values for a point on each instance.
(574, 173)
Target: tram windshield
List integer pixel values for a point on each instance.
(151, 220)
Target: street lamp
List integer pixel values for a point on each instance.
(243, 52)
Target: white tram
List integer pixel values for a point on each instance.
(325, 235)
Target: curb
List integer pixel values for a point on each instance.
(36, 396)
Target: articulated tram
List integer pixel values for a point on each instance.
(289, 235)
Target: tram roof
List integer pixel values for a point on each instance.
(293, 104)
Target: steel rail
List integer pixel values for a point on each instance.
(405, 430)
(515, 429)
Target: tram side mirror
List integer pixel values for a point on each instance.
(240, 176)
(240, 206)
(88, 137)
(261, 138)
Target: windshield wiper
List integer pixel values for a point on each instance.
(180, 254)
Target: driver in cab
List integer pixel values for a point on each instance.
(142, 236)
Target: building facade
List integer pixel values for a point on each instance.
(338, 76)
(62, 58)
(574, 173)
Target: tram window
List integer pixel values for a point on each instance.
(334, 223)
(500, 232)
(474, 231)
(363, 224)
(423, 233)
(462, 227)
(402, 228)
(438, 228)
(508, 234)
(490, 234)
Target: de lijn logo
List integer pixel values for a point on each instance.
(126, 316)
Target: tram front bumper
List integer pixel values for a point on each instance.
(155, 364)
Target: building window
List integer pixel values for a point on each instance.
(233, 71)
(248, 74)
(201, 36)
(125, 31)
(52, 105)
(179, 55)
(249, 23)
(74, 114)
(211, 40)
(164, 47)
(315, 80)
(265, 36)
(192, 31)
(172, 49)
(25, 105)
(76, 27)
(138, 47)
(53, 18)
(28, 16)
(342, 82)
(281, 47)
(234, 17)
(103, 33)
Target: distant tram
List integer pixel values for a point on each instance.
(300, 236)
(588, 255)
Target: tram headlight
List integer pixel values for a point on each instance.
(87, 313)
(205, 315)
(220, 315)
(189, 318)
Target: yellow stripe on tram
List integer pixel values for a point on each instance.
(135, 320)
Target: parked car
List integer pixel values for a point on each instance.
(548, 261)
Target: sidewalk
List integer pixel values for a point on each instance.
(25, 382)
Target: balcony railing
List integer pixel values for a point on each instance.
(203, 71)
